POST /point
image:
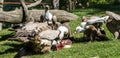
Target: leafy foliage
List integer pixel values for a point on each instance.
(102, 1)
(98, 1)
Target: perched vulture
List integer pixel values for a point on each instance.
(48, 15)
(113, 24)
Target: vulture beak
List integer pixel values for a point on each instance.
(50, 22)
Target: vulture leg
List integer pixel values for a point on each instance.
(91, 37)
(116, 34)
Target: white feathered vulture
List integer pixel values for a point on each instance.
(49, 17)
(57, 35)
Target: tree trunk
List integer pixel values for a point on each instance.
(56, 4)
(71, 5)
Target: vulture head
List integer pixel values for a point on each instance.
(63, 31)
(79, 29)
(46, 8)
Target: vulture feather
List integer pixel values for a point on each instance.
(113, 24)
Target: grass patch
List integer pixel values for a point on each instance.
(6, 33)
(8, 49)
(107, 49)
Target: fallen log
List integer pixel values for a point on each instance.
(12, 16)
(17, 16)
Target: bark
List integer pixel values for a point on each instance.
(56, 4)
(25, 10)
(71, 5)
(12, 16)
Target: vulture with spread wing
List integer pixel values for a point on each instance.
(113, 24)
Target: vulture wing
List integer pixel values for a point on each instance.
(113, 23)
(113, 15)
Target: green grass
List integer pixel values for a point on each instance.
(8, 49)
(107, 49)
(6, 34)
(101, 49)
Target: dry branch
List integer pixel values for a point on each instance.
(34, 4)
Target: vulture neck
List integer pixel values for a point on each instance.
(61, 35)
(47, 10)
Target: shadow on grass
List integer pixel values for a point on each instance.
(13, 48)
(6, 33)
(97, 9)
(110, 7)
(22, 52)
(84, 40)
